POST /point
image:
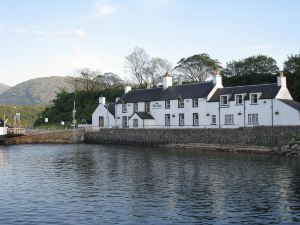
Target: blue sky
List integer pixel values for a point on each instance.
(55, 37)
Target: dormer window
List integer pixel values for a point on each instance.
(224, 100)
(254, 98)
(239, 99)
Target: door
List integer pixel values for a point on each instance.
(101, 121)
(125, 125)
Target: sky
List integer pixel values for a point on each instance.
(41, 38)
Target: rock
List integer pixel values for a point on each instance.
(294, 147)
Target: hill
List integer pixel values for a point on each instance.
(39, 91)
(3, 88)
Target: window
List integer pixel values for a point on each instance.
(167, 104)
(180, 103)
(135, 123)
(239, 99)
(124, 107)
(254, 98)
(181, 119)
(224, 100)
(167, 120)
(229, 119)
(147, 106)
(195, 119)
(124, 122)
(135, 107)
(195, 102)
(253, 119)
(213, 120)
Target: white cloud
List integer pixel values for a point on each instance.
(103, 10)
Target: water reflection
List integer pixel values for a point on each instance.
(91, 184)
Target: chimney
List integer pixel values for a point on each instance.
(217, 78)
(102, 100)
(167, 81)
(127, 89)
(117, 99)
(281, 80)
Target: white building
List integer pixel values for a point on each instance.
(3, 128)
(200, 105)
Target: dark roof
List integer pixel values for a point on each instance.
(199, 90)
(291, 103)
(144, 115)
(268, 91)
(1, 123)
(111, 108)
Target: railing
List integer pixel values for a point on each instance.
(16, 131)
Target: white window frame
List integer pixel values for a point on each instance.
(167, 104)
(180, 103)
(229, 119)
(227, 100)
(213, 120)
(125, 122)
(124, 108)
(252, 98)
(167, 120)
(135, 123)
(135, 107)
(147, 106)
(253, 118)
(237, 98)
(195, 102)
(181, 119)
(195, 120)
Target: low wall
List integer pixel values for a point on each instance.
(54, 137)
(256, 136)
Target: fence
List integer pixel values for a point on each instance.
(16, 131)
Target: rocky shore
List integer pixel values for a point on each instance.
(290, 150)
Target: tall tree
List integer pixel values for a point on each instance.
(156, 69)
(108, 80)
(292, 71)
(197, 68)
(86, 77)
(259, 64)
(136, 64)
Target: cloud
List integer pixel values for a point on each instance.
(103, 10)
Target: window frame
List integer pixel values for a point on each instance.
(195, 105)
(135, 107)
(181, 119)
(253, 116)
(213, 117)
(181, 103)
(251, 98)
(231, 122)
(166, 124)
(125, 118)
(236, 99)
(147, 106)
(194, 120)
(124, 107)
(227, 100)
(167, 104)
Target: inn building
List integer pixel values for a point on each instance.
(200, 105)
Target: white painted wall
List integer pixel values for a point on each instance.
(109, 120)
(3, 130)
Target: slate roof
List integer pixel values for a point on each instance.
(111, 108)
(199, 90)
(144, 115)
(268, 91)
(291, 103)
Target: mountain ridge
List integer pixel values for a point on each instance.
(3, 88)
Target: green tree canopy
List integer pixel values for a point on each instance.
(292, 71)
(260, 64)
(197, 68)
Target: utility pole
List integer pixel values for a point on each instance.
(15, 110)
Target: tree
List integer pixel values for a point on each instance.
(86, 78)
(259, 64)
(197, 68)
(108, 80)
(136, 64)
(156, 69)
(292, 71)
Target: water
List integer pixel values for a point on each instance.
(94, 184)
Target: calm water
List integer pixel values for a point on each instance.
(94, 184)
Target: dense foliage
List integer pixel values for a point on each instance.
(86, 103)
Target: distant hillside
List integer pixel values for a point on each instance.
(39, 91)
(3, 88)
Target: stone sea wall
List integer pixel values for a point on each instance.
(256, 136)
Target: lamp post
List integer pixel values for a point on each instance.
(15, 109)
